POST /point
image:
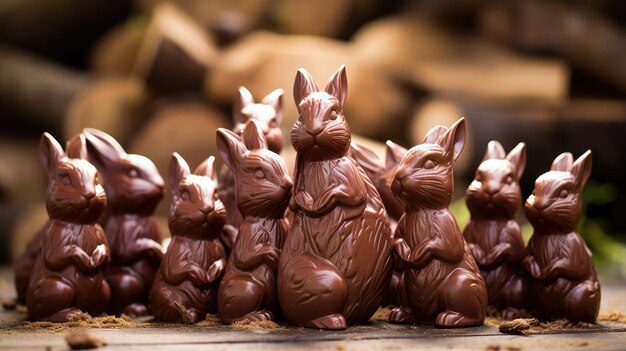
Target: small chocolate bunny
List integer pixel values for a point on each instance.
(185, 286)
(382, 176)
(67, 277)
(442, 284)
(134, 188)
(248, 289)
(336, 264)
(564, 284)
(269, 114)
(493, 234)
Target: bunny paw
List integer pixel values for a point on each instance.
(449, 319)
(259, 316)
(402, 315)
(136, 310)
(331, 322)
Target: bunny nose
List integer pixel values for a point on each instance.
(90, 195)
(491, 188)
(401, 173)
(208, 208)
(314, 131)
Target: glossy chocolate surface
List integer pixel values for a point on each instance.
(336, 263)
(442, 284)
(134, 188)
(269, 115)
(564, 284)
(67, 277)
(185, 286)
(493, 234)
(248, 290)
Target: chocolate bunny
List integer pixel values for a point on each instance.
(442, 284)
(564, 283)
(493, 234)
(269, 114)
(67, 278)
(185, 286)
(134, 188)
(336, 263)
(248, 289)
(382, 176)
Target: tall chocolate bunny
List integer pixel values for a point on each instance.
(336, 263)
(269, 115)
(493, 234)
(248, 289)
(134, 188)
(185, 286)
(564, 284)
(67, 277)
(442, 284)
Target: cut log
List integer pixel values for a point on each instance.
(22, 178)
(116, 52)
(176, 52)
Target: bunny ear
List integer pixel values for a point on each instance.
(50, 152)
(517, 157)
(394, 155)
(230, 147)
(177, 171)
(338, 85)
(243, 99)
(453, 140)
(434, 134)
(275, 99)
(365, 157)
(581, 169)
(494, 151)
(206, 169)
(76, 147)
(103, 149)
(563, 162)
(253, 137)
(303, 86)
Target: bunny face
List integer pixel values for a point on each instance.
(74, 194)
(196, 210)
(132, 182)
(555, 204)
(495, 191)
(263, 182)
(269, 114)
(424, 176)
(321, 131)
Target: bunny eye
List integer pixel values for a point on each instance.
(273, 123)
(215, 196)
(479, 178)
(66, 179)
(133, 173)
(333, 115)
(429, 164)
(508, 179)
(259, 174)
(564, 193)
(184, 194)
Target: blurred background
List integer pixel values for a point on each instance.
(160, 76)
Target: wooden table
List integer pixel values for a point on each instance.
(373, 336)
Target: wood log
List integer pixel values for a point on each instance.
(116, 52)
(35, 92)
(22, 178)
(27, 223)
(587, 40)
(116, 106)
(176, 52)
(415, 50)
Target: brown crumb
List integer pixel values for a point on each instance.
(21, 309)
(517, 326)
(580, 343)
(184, 314)
(211, 320)
(83, 340)
(612, 316)
(502, 348)
(82, 320)
(256, 325)
(9, 304)
(493, 322)
(382, 314)
(341, 346)
(492, 348)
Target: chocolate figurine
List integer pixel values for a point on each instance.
(564, 283)
(442, 284)
(269, 114)
(382, 176)
(248, 289)
(134, 189)
(336, 264)
(67, 277)
(493, 234)
(185, 286)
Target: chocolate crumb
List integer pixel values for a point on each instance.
(342, 346)
(255, 325)
(517, 326)
(382, 314)
(612, 316)
(83, 340)
(9, 304)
